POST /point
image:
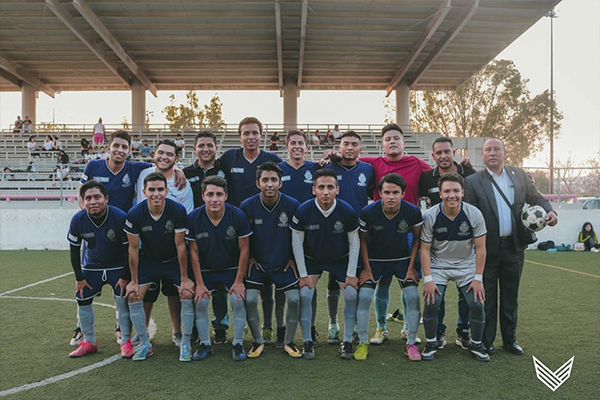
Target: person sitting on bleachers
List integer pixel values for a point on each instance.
(146, 150)
(136, 143)
(57, 144)
(33, 147)
(85, 147)
(180, 143)
(7, 174)
(315, 138)
(102, 154)
(48, 145)
(18, 125)
(27, 125)
(89, 155)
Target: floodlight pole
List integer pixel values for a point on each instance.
(552, 15)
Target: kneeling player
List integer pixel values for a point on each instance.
(218, 234)
(325, 238)
(271, 258)
(453, 249)
(160, 224)
(385, 226)
(100, 226)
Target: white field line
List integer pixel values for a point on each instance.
(35, 284)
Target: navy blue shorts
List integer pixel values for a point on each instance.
(281, 278)
(337, 268)
(153, 272)
(97, 278)
(214, 280)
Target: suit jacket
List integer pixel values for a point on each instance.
(479, 191)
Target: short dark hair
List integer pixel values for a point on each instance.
(324, 172)
(295, 132)
(205, 134)
(393, 178)
(250, 120)
(154, 176)
(350, 134)
(268, 166)
(216, 181)
(451, 177)
(442, 139)
(169, 142)
(391, 127)
(92, 184)
(121, 134)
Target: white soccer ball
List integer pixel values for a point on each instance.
(533, 218)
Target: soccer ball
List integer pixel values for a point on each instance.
(533, 218)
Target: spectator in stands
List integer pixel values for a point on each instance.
(7, 173)
(85, 147)
(102, 154)
(99, 132)
(48, 145)
(31, 170)
(274, 142)
(89, 155)
(336, 132)
(315, 138)
(136, 143)
(18, 125)
(329, 138)
(180, 143)
(27, 125)
(146, 150)
(63, 158)
(589, 238)
(33, 147)
(57, 144)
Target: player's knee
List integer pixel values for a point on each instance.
(411, 295)
(306, 294)
(350, 294)
(252, 298)
(186, 295)
(293, 298)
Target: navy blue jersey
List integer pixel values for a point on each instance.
(387, 238)
(298, 183)
(243, 174)
(356, 183)
(218, 247)
(104, 243)
(271, 240)
(157, 236)
(325, 238)
(120, 186)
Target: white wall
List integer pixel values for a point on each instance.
(569, 226)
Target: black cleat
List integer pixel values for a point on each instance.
(280, 337)
(346, 352)
(441, 340)
(428, 353)
(315, 336)
(479, 352)
(463, 340)
(220, 336)
(308, 352)
(513, 348)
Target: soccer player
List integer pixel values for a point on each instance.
(271, 257)
(325, 238)
(453, 249)
(101, 227)
(386, 252)
(443, 154)
(160, 224)
(218, 234)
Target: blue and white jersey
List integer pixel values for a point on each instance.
(388, 238)
(298, 183)
(243, 173)
(120, 186)
(218, 247)
(157, 234)
(105, 243)
(452, 240)
(356, 183)
(325, 238)
(271, 240)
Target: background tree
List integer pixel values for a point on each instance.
(191, 115)
(495, 102)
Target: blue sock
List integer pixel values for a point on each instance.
(382, 301)
(404, 311)
(293, 314)
(306, 296)
(202, 321)
(363, 311)
(187, 320)
(252, 314)
(350, 304)
(138, 317)
(412, 313)
(124, 318)
(239, 318)
(86, 317)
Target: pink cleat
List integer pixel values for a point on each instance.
(84, 348)
(127, 349)
(413, 353)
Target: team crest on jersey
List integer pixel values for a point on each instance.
(126, 180)
(169, 226)
(338, 227)
(221, 174)
(464, 229)
(308, 177)
(402, 226)
(231, 232)
(111, 235)
(362, 180)
(283, 220)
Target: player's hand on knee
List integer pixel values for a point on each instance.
(201, 293)
(478, 290)
(186, 289)
(366, 276)
(411, 274)
(304, 282)
(133, 291)
(122, 283)
(351, 281)
(238, 289)
(429, 291)
(80, 287)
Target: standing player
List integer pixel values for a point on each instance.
(101, 227)
(271, 258)
(386, 252)
(218, 234)
(160, 224)
(453, 249)
(443, 155)
(325, 238)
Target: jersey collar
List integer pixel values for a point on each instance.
(328, 212)
(103, 221)
(394, 216)
(267, 208)
(222, 216)
(110, 170)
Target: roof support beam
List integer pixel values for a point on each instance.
(434, 24)
(23, 75)
(10, 77)
(86, 12)
(279, 45)
(72, 24)
(445, 41)
(302, 42)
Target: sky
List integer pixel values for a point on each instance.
(576, 84)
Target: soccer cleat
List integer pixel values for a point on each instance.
(220, 336)
(202, 352)
(428, 353)
(84, 348)
(404, 334)
(346, 352)
(441, 340)
(412, 353)
(315, 336)
(333, 334)
(176, 338)
(267, 335)
(77, 337)
(256, 350)
(361, 352)
(238, 353)
(280, 337)
(292, 350)
(479, 352)
(142, 352)
(185, 352)
(308, 352)
(127, 349)
(463, 340)
(380, 336)
(118, 334)
(396, 316)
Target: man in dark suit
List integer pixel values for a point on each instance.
(505, 252)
